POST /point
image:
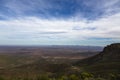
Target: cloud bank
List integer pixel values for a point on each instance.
(59, 22)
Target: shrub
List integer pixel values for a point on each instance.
(43, 77)
(86, 75)
(73, 77)
(1, 78)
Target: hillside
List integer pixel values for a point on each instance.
(104, 63)
(110, 53)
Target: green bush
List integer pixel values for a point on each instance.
(86, 76)
(43, 77)
(64, 78)
(73, 77)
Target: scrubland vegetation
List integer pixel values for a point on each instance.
(102, 66)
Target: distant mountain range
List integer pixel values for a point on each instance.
(71, 47)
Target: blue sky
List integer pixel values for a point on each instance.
(59, 22)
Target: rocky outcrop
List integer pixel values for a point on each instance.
(113, 49)
(111, 52)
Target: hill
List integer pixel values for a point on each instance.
(104, 63)
(110, 53)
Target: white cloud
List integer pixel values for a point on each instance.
(108, 27)
(59, 31)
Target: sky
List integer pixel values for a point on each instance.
(59, 22)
